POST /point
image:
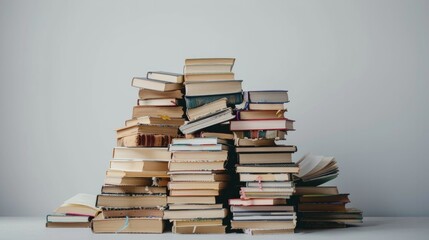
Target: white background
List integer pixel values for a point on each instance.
(357, 72)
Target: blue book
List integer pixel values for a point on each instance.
(233, 98)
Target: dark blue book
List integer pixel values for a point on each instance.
(233, 98)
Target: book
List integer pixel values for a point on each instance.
(211, 120)
(193, 214)
(322, 207)
(195, 141)
(80, 204)
(207, 68)
(206, 147)
(191, 200)
(190, 77)
(157, 111)
(158, 154)
(169, 130)
(138, 165)
(210, 229)
(268, 124)
(146, 94)
(252, 209)
(260, 114)
(274, 96)
(186, 166)
(264, 158)
(100, 224)
(343, 198)
(64, 218)
(197, 185)
(196, 101)
(267, 106)
(272, 224)
(326, 190)
(226, 136)
(316, 170)
(268, 168)
(270, 177)
(197, 222)
(126, 181)
(263, 218)
(270, 184)
(144, 140)
(267, 231)
(68, 224)
(157, 102)
(260, 134)
(130, 201)
(289, 148)
(155, 120)
(210, 61)
(206, 109)
(132, 212)
(165, 76)
(197, 176)
(200, 155)
(208, 88)
(112, 189)
(145, 174)
(194, 206)
(156, 85)
(194, 192)
(256, 202)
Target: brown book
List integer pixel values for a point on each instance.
(126, 181)
(343, 198)
(253, 208)
(184, 166)
(194, 206)
(322, 207)
(252, 177)
(256, 202)
(68, 224)
(260, 114)
(263, 225)
(226, 136)
(194, 192)
(156, 85)
(197, 185)
(133, 212)
(193, 214)
(106, 189)
(208, 88)
(273, 168)
(326, 190)
(199, 229)
(264, 158)
(289, 148)
(145, 174)
(197, 176)
(145, 140)
(138, 165)
(130, 201)
(100, 224)
(191, 200)
(197, 222)
(156, 111)
(165, 76)
(169, 130)
(152, 94)
(154, 154)
(155, 120)
(200, 155)
(192, 77)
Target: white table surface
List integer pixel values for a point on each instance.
(410, 228)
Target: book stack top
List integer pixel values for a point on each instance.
(321, 206)
(197, 180)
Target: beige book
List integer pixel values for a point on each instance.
(135, 225)
(199, 229)
(184, 166)
(191, 200)
(193, 206)
(209, 76)
(138, 165)
(197, 222)
(156, 85)
(145, 174)
(193, 214)
(208, 88)
(266, 169)
(133, 189)
(194, 192)
(130, 201)
(165, 76)
(209, 61)
(197, 185)
(264, 158)
(200, 155)
(263, 224)
(155, 154)
(252, 177)
(152, 94)
(157, 111)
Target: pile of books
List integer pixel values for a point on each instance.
(75, 212)
(134, 194)
(197, 179)
(265, 166)
(322, 206)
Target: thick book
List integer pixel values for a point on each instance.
(66, 218)
(197, 185)
(268, 168)
(211, 120)
(267, 106)
(80, 204)
(157, 111)
(270, 177)
(165, 76)
(324, 190)
(210, 61)
(273, 224)
(68, 224)
(261, 134)
(198, 176)
(146, 94)
(209, 229)
(322, 207)
(194, 192)
(209, 76)
(193, 214)
(264, 158)
(232, 99)
(208, 88)
(267, 124)
(256, 202)
(197, 166)
(154, 120)
(138, 165)
(265, 96)
(132, 212)
(155, 154)
(194, 206)
(157, 102)
(100, 224)
(112, 189)
(169, 130)
(127, 181)
(144, 174)
(191, 200)
(344, 198)
(156, 85)
(260, 114)
(130, 201)
(207, 68)
(195, 141)
(206, 109)
(200, 155)
(316, 170)
(144, 140)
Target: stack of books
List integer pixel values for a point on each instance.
(265, 165)
(211, 92)
(75, 212)
(197, 178)
(158, 114)
(322, 206)
(134, 193)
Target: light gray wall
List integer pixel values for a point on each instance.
(357, 72)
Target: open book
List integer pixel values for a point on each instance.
(315, 170)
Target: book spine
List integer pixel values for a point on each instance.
(232, 99)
